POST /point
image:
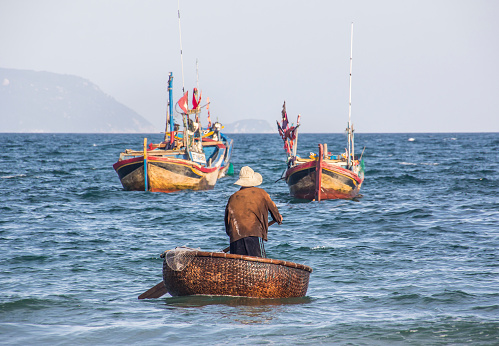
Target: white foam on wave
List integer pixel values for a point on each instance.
(13, 176)
(422, 163)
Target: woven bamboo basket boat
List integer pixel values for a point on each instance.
(193, 272)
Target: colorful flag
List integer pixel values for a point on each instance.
(195, 99)
(183, 102)
(279, 128)
(285, 122)
(291, 133)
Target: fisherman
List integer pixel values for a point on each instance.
(246, 215)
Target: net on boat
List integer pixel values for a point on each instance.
(180, 257)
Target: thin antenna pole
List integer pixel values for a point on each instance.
(197, 75)
(198, 110)
(350, 130)
(181, 57)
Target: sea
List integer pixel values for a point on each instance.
(413, 261)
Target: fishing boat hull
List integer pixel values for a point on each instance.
(331, 181)
(224, 168)
(165, 175)
(227, 142)
(221, 274)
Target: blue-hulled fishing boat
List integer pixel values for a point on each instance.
(190, 159)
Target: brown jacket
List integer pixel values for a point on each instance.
(247, 214)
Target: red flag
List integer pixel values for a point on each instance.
(183, 102)
(195, 99)
(290, 133)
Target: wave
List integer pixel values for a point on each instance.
(402, 179)
(420, 163)
(31, 304)
(13, 176)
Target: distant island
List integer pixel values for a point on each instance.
(46, 102)
(249, 126)
(32, 101)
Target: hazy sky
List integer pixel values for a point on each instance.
(418, 66)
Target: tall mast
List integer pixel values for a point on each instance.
(170, 107)
(184, 116)
(197, 74)
(350, 129)
(198, 109)
(181, 58)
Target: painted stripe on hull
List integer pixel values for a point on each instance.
(166, 175)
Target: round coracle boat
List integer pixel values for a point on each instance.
(193, 272)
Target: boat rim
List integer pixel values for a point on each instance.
(249, 258)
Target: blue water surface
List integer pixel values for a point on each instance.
(413, 261)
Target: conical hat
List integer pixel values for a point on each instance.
(248, 177)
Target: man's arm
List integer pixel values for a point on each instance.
(274, 211)
(226, 219)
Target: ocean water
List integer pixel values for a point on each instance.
(414, 261)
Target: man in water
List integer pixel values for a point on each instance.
(247, 213)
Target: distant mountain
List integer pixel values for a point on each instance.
(249, 126)
(33, 101)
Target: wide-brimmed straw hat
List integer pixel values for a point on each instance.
(248, 177)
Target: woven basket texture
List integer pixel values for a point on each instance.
(236, 277)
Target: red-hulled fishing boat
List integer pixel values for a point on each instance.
(322, 175)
